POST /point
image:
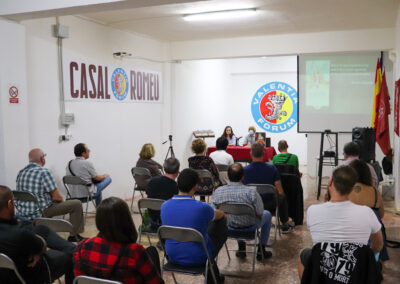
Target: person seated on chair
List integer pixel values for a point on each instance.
(351, 151)
(340, 220)
(163, 187)
(236, 192)
(26, 246)
(285, 157)
(199, 161)
(220, 156)
(183, 210)
(146, 161)
(259, 172)
(229, 135)
(36, 179)
(250, 139)
(114, 254)
(84, 169)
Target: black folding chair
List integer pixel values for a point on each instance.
(182, 234)
(243, 209)
(269, 189)
(142, 178)
(152, 204)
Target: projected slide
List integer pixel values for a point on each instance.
(336, 91)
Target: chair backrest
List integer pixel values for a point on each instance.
(80, 188)
(150, 203)
(141, 176)
(238, 209)
(206, 184)
(93, 280)
(57, 225)
(8, 263)
(223, 173)
(25, 196)
(264, 189)
(222, 168)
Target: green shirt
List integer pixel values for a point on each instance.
(283, 159)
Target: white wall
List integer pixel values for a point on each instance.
(14, 131)
(114, 132)
(210, 94)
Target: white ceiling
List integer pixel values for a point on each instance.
(165, 22)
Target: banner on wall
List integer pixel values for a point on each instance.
(396, 107)
(274, 107)
(91, 82)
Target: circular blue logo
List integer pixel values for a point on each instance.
(119, 84)
(274, 107)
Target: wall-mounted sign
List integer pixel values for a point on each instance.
(86, 81)
(274, 107)
(13, 92)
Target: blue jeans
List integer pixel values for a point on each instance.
(264, 223)
(100, 186)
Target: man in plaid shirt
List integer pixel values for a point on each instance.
(236, 192)
(38, 180)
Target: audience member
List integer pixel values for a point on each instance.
(114, 254)
(229, 135)
(36, 179)
(220, 156)
(146, 161)
(184, 211)
(84, 169)
(259, 172)
(250, 139)
(284, 157)
(200, 161)
(351, 151)
(387, 163)
(163, 187)
(340, 220)
(26, 246)
(236, 192)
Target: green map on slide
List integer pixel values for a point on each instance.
(317, 83)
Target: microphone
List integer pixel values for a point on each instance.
(237, 140)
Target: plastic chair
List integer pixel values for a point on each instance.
(25, 196)
(85, 196)
(182, 234)
(92, 280)
(242, 209)
(142, 178)
(152, 204)
(269, 189)
(206, 184)
(7, 263)
(223, 173)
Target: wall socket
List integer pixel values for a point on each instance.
(65, 137)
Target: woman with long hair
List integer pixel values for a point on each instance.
(228, 134)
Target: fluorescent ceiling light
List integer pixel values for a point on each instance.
(220, 15)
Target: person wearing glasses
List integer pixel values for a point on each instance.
(38, 180)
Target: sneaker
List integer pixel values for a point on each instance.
(287, 228)
(241, 253)
(266, 253)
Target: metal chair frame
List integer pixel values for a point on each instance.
(75, 180)
(25, 196)
(242, 209)
(139, 186)
(82, 279)
(152, 204)
(270, 189)
(183, 234)
(7, 263)
(57, 225)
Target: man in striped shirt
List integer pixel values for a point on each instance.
(237, 192)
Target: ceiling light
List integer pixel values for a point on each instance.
(220, 15)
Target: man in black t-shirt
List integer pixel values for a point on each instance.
(163, 187)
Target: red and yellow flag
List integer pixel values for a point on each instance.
(377, 91)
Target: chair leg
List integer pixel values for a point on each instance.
(148, 237)
(133, 197)
(173, 276)
(227, 251)
(140, 233)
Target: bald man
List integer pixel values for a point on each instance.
(36, 179)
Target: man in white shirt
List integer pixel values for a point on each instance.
(220, 156)
(340, 220)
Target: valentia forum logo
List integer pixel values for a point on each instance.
(274, 107)
(119, 84)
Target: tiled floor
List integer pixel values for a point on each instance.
(282, 267)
